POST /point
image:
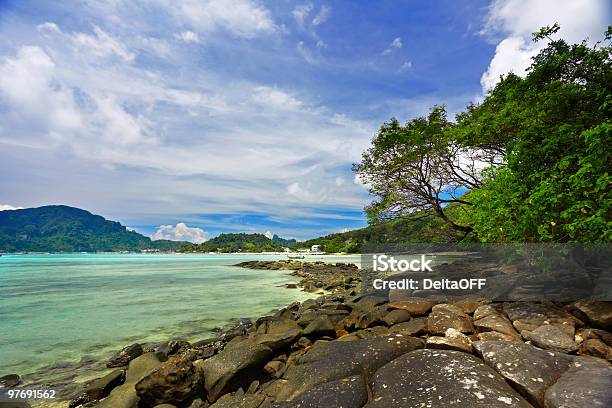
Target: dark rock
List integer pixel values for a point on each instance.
(124, 396)
(334, 360)
(362, 319)
(599, 314)
(552, 337)
(321, 326)
(589, 385)
(310, 315)
(277, 333)
(486, 310)
(469, 305)
(414, 327)
(528, 316)
(165, 406)
(445, 316)
(496, 336)
(275, 368)
(237, 365)
(453, 340)
(396, 316)
(174, 382)
(440, 378)
(10, 380)
(528, 369)
(172, 347)
(602, 335)
(124, 356)
(348, 392)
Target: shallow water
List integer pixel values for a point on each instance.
(58, 310)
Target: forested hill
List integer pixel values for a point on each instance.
(59, 228)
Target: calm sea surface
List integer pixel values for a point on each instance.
(61, 310)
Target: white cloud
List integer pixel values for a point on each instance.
(102, 44)
(305, 52)
(322, 16)
(269, 234)
(6, 207)
(188, 37)
(301, 12)
(344, 230)
(339, 181)
(396, 44)
(243, 18)
(275, 97)
(181, 232)
(516, 20)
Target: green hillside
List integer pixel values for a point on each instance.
(239, 243)
(59, 228)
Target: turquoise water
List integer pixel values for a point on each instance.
(57, 310)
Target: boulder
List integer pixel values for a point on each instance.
(587, 385)
(528, 369)
(237, 365)
(239, 401)
(396, 316)
(311, 314)
(348, 392)
(124, 396)
(497, 323)
(101, 387)
(595, 348)
(453, 340)
(319, 327)
(125, 355)
(494, 336)
(174, 381)
(440, 379)
(277, 333)
(416, 307)
(469, 305)
(445, 316)
(599, 314)
(528, 316)
(10, 380)
(486, 310)
(334, 360)
(414, 327)
(362, 319)
(553, 337)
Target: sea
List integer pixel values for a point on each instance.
(62, 315)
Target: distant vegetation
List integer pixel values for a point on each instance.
(59, 228)
(535, 155)
(239, 243)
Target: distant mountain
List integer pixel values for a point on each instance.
(59, 228)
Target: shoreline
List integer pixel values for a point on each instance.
(338, 318)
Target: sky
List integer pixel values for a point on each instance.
(183, 119)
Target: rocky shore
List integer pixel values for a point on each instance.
(342, 349)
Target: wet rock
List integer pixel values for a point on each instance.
(174, 381)
(414, 327)
(497, 323)
(453, 340)
(599, 314)
(334, 360)
(125, 355)
(440, 378)
(595, 348)
(445, 316)
(172, 347)
(528, 369)
(348, 392)
(277, 334)
(10, 380)
(362, 319)
(553, 337)
(124, 396)
(586, 385)
(396, 316)
(416, 307)
(321, 326)
(237, 365)
(239, 401)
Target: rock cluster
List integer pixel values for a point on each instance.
(343, 350)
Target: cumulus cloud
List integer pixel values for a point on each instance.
(6, 207)
(180, 232)
(515, 20)
(269, 234)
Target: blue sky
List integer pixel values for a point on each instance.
(238, 115)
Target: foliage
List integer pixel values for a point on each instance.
(59, 228)
(238, 243)
(543, 142)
